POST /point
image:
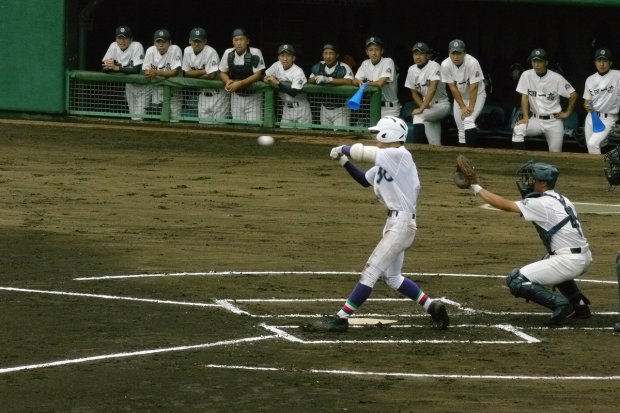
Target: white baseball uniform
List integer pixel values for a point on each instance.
(604, 92)
(395, 181)
(335, 112)
(212, 103)
(419, 79)
(544, 94)
(562, 264)
(170, 60)
(295, 109)
(245, 105)
(132, 56)
(368, 72)
(463, 76)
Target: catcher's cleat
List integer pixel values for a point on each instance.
(581, 311)
(329, 324)
(439, 315)
(560, 313)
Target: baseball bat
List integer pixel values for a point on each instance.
(597, 123)
(354, 102)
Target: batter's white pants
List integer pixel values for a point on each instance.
(431, 117)
(594, 140)
(558, 268)
(388, 256)
(553, 129)
(470, 121)
(246, 107)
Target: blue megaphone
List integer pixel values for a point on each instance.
(354, 102)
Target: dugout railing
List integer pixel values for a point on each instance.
(103, 95)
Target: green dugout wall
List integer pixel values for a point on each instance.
(32, 56)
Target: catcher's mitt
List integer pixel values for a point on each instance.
(465, 174)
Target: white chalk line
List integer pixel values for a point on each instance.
(235, 273)
(415, 375)
(131, 354)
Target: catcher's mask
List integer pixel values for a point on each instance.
(535, 171)
(612, 167)
(390, 129)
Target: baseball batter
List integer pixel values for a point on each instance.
(429, 94)
(541, 89)
(463, 75)
(202, 61)
(126, 56)
(164, 59)
(240, 67)
(290, 80)
(568, 254)
(381, 72)
(394, 178)
(601, 95)
(331, 71)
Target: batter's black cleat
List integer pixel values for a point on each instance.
(439, 315)
(329, 324)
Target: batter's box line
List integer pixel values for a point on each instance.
(524, 338)
(414, 375)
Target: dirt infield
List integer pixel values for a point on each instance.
(147, 269)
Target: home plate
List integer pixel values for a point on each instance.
(370, 321)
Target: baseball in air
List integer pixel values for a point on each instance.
(265, 140)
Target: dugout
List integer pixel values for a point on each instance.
(45, 38)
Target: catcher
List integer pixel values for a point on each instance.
(555, 219)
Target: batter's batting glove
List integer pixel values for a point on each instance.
(336, 152)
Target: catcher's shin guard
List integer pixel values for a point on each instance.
(579, 301)
(521, 287)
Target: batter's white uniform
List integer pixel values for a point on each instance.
(243, 104)
(420, 80)
(394, 178)
(295, 109)
(368, 72)
(562, 265)
(335, 113)
(170, 60)
(544, 103)
(463, 76)
(604, 92)
(132, 56)
(212, 103)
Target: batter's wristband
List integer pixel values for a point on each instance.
(476, 188)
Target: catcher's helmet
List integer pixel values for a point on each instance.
(531, 171)
(390, 129)
(612, 167)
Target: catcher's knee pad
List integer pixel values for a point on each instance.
(515, 281)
